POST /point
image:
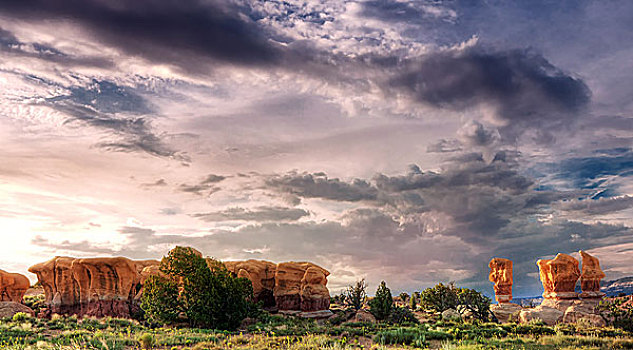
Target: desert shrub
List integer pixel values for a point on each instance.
(400, 315)
(474, 302)
(356, 294)
(35, 302)
(20, 317)
(620, 315)
(440, 298)
(402, 336)
(413, 303)
(207, 293)
(382, 304)
(146, 341)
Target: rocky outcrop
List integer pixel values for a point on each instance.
(501, 276)
(561, 303)
(559, 277)
(506, 312)
(261, 274)
(286, 286)
(591, 276)
(10, 308)
(13, 286)
(91, 287)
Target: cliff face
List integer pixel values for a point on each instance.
(286, 286)
(91, 287)
(13, 286)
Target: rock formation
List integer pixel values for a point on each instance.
(501, 276)
(91, 287)
(261, 274)
(13, 286)
(591, 276)
(559, 277)
(286, 286)
(10, 308)
(561, 303)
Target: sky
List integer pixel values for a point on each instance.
(405, 141)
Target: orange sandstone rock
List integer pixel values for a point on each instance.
(91, 287)
(286, 286)
(13, 286)
(261, 274)
(559, 277)
(591, 276)
(294, 292)
(501, 276)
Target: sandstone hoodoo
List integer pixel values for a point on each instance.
(591, 276)
(559, 277)
(285, 286)
(13, 286)
(561, 303)
(501, 276)
(92, 287)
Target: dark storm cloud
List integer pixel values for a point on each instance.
(525, 89)
(260, 214)
(318, 185)
(168, 31)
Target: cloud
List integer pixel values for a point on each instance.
(318, 185)
(475, 134)
(172, 32)
(445, 146)
(597, 206)
(522, 87)
(206, 184)
(258, 214)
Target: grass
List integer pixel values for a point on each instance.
(278, 332)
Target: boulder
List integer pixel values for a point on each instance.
(451, 315)
(506, 312)
(548, 315)
(559, 277)
(363, 316)
(13, 286)
(576, 313)
(314, 293)
(590, 277)
(91, 287)
(10, 308)
(501, 276)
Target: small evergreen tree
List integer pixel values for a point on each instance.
(382, 304)
(404, 296)
(204, 290)
(440, 298)
(413, 303)
(475, 302)
(356, 294)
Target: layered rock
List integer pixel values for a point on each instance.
(13, 286)
(559, 277)
(591, 276)
(506, 312)
(501, 276)
(286, 286)
(261, 274)
(91, 287)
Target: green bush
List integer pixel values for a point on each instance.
(20, 317)
(382, 304)
(400, 315)
(207, 293)
(619, 314)
(402, 336)
(440, 298)
(474, 302)
(146, 341)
